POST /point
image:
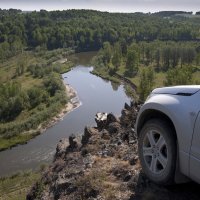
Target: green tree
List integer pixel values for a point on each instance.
(53, 84)
(35, 96)
(166, 52)
(197, 59)
(146, 83)
(179, 76)
(107, 53)
(157, 58)
(117, 56)
(20, 68)
(132, 61)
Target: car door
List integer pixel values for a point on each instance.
(195, 152)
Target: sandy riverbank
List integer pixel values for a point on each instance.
(72, 104)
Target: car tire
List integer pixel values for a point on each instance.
(157, 151)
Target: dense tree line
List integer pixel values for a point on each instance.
(88, 30)
(161, 55)
(177, 60)
(171, 13)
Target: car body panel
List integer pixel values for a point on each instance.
(177, 90)
(182, 110)
(195, 152)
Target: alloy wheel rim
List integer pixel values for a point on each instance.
(155, 151)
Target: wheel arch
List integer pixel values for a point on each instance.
(152, 114)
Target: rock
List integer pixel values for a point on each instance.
(72, 143)
(104, 119)
(61, 147)
(127, 107)
(62, 185)
(101, 120)
(132, 104)
(84, 152)
(105, 134)
(111, 118)
(86, 136)
(113, 128)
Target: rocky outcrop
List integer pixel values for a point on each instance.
(102, 165)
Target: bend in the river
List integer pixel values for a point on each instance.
(95, 94)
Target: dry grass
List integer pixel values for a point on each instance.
(101, 179)
(16, 187)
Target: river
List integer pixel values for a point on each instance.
(95, 95)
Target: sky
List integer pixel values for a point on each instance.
(104, 5)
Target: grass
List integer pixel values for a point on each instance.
(16, 186)
(8, 68)
(28, 81)
(101, 178)
(6, 143)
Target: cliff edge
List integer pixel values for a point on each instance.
(103, 165)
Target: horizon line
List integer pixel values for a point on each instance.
(146, 12)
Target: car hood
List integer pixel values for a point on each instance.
(178, 90)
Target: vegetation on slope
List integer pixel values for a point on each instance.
(31, 92)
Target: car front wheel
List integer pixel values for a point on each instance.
(157, 151)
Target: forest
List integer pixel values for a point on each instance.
(86, 30)
(149, 49)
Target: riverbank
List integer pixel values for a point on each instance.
(72, 104)
(24, 137)
(129, 87)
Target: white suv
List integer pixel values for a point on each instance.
(168, 128)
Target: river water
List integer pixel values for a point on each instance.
(95, 94)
